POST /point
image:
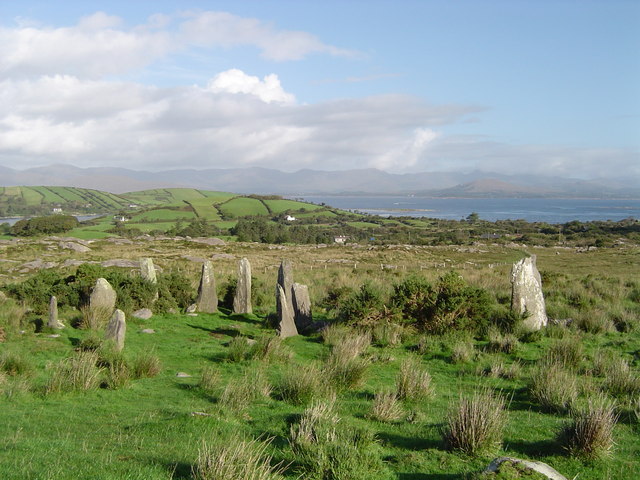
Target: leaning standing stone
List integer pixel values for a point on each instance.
(116, 329)
(286, 322)
(242, 298)
(207, 296)
(285, 280)
(301, 306)
(526, 293)
(103, 297)
(53, 314)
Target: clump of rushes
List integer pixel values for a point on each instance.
(209, 379)
(387, 334)
(15, 363)
(270, 349)
(619, 379)
(239, 349)
(77, 373)
(554, 387)
(386, 407)
(332, 334)
(462, 351)
(301, 384)
(235, 458)
(589, 434)
(566, 352)
(344, 367)
(500, 342)
(239, 394)
(146, 365)
(413, 381)
(475, 424)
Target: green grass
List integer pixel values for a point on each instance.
(279, 206)
(162, 214)
(205, 208)
(47, 195)
(32, 196)
(241, 206)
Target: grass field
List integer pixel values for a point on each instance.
(280, 206)
(162, 215)
(241, 206)
(205, 208)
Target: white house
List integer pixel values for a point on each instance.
(340, 239)
(289, 218)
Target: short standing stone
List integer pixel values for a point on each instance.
(103, 297)
(301, 307)
(53, 314)
(207, 296)
(286, 322)
(526, 293)
(148, 270)
(242, 298)
(143, 314)
(116, 329)
(285, 280)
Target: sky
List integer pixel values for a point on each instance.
(547, 87)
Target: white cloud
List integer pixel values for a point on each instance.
(236, 81)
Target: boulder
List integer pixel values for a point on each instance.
(76, 247)
(301, 307)
(143, 314)
(207, 300)
(526, 293)
(286, 322)
(116, 329)
(525, 465)
(242, 298)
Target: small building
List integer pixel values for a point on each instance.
(342, 239)
(56, 210)
(289, 218)
(120, 218)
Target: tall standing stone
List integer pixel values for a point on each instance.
(53, 314)
(148, 270)
(242, 298)
(116, 329)
(103, 297)
(286, 322)
(526, 293)
(285, 280)
(207, 301)
(301, 306)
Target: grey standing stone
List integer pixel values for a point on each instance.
(242, 298)
(53, 314)
(148, 270)
(207, 296)
(301, 307)
(526, 293)
(286, 322)
(285, 280)
(103, 297)
(116, 329)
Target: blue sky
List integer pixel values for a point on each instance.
(546, 87)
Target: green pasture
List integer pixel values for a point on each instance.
(242, 206)
(47, 195)
(280, 206)
(162, 215)
(205, 208)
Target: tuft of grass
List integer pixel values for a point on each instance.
(387, 334)
(15, 363)
(566, 352)
(301, 384)
(352, 346)
(95, 318)
(499, 342)
(77, 373)
(209, 379)
(413, 382)
(553, 387)
(386, 407)
(619, 379)
(475, 424)
(462, 351)
(589, 435)
(146, 365)
(90, 343)
(596, 322)
(239, 349)
(344, 370)
(252, 386)
(271, 349)
(500, 370)
(236, 459)
(332, 334)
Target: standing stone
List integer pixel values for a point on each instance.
(242, 298)
(53, 314)
(286, 322)
(526, 293)
(148, 270)
(285, 280)
(116, 329)
(207, 296)
(103, 297)
(301, 306)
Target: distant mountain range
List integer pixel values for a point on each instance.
(307, 182)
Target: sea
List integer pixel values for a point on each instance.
(549, 210)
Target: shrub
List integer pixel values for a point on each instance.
(361, 306)
(413, 382)
(590, 433)
(236, 459)
(77, 373)
(475, 424)
(554, 387)
(174, 291)
(301, 384)
(386, 407)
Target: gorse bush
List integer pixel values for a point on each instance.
(476, 423)
(590, 432)
(235, 458)
(362, 306)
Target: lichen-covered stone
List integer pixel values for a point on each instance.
(116, 329)
(526, 293)
(286, 322)
(242, 298)
(207, 300)
(301, 307)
